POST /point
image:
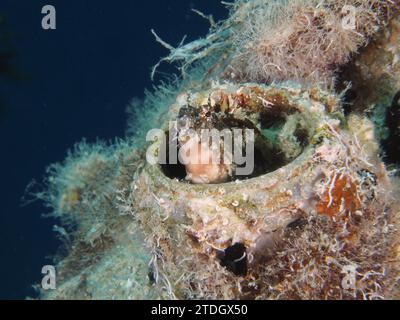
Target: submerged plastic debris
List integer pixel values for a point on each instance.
(316, 217)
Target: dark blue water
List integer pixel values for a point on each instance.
(72, 82)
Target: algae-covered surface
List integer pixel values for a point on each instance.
(293, 109)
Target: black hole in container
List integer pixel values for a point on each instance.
(173, 171)
(234, 258)
(265, 160)
(267, 156)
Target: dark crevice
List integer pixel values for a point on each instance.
(150, 275)
(348, 99)
(297, 224)
(268, 155)
(172, 170)
(391, 145)
(301, 135)
(234, 258)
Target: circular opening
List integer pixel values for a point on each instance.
(280, 137)
(234, 258)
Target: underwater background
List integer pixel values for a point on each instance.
(57, 86)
